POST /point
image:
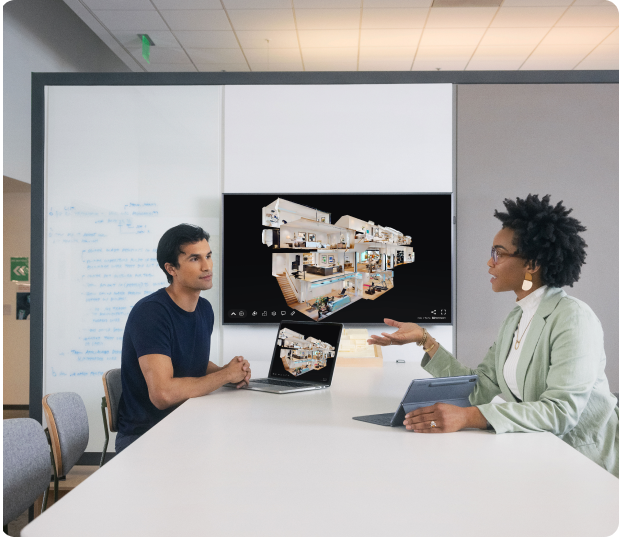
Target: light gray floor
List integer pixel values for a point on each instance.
(16, 526)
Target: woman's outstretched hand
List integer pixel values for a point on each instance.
(406, 333)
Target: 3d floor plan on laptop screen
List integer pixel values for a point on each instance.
(315, 260)
(306, 351)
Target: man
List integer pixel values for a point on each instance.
(166, 343)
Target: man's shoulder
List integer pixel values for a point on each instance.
(205, 304)
(206, 309)
(154, 301)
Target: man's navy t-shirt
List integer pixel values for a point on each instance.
(156, 325)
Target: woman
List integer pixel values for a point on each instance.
(548, 361)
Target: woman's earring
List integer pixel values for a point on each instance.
(527, 282)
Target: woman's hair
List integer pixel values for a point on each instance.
(170, 245)
(546, 235)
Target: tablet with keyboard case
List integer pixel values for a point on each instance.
(426, 392)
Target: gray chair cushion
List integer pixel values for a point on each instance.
(72, 425)
(113, 381)
(26, 464)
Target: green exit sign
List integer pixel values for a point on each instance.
(19, 269)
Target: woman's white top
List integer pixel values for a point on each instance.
(529, 305)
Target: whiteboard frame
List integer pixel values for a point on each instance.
(38, 128)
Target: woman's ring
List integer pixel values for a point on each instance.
(432, 424)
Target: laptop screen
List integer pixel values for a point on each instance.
(306, 351)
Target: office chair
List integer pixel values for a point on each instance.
(111, 399)
(26, 466)
(67, 432)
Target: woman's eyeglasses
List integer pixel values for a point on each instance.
(499, 255)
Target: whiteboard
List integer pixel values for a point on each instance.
(123, 165)
(339, 138)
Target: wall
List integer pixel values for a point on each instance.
(546, 139)
(38, 36)
(16, 341)
(42, 36)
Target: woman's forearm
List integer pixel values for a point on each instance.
(475, 419)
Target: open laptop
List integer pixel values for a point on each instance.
(426, 392)
(303, 358)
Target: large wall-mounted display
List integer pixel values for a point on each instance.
(350, 257)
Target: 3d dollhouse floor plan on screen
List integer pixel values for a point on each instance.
(326, 267)
(300, 355)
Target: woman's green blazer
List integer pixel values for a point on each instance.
(560, 373)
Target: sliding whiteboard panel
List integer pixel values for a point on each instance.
(336, 138)
(123, 165)
(339, 138)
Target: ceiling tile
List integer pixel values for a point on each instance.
(394, 17)
(390, 65)
(454, 54)
(332, 54)
(603, 57)
(397, 3)
(390, 38)
(456, 36)
(440, 64)
(171, 68)
(187, 4)
(195, 19)
(537, 3)
(276, 55)
(576, 36)
(277, 38)
(215, 39)
(460, 17)
(613, 38)
(328, 19)
(330, 66)
(556, 57)
(388, 54)
(163, 55)
(216, 55)
(218, 67)
(549, 64)
(527, 17)
(254, 4)
(590, 16)
(119, 4)
(313, 4)
(262, 19)
(494, 64)
(513, 36)
(518, 52)
(161, 39)
(277, 67)
(329, 38)
(139, 21)
(592, 3)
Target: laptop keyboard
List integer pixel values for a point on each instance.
(279, 383)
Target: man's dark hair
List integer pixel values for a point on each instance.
(547, 236)
(172, 241)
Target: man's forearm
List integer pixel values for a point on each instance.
(182, 389)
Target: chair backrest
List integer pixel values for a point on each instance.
(68, 425)
(26, 465)
(112, 389)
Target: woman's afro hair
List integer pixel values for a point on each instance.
(547, 236)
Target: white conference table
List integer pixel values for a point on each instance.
(239, 462)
